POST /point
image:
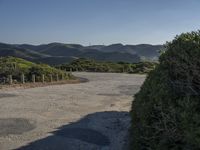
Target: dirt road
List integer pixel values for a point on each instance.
(86, 116)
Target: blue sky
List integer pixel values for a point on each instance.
(96, 21)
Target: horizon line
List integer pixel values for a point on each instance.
(33, 44)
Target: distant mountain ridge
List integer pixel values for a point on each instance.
(58, 53)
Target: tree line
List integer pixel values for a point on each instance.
(90, 65)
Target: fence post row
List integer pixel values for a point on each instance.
(33, 78)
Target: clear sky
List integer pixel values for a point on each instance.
(96, 21)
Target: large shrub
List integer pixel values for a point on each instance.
(166, 111)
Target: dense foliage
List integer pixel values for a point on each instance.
(166, 111)
(16, 67)
(94, 66)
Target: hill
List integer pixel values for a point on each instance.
(17, 66)
(17, 51)
(148, 51)
(58, 53)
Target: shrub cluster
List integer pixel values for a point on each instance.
(166, 111)
(83, 64)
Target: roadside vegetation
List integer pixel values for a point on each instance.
(166, 111)
(90, 65)
(16, 67)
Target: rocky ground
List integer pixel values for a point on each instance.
(88, 116)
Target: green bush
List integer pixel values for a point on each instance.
(94, 66)
(166, 111)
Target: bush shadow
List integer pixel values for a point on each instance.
(93, 132)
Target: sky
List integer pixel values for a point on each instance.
(91, 22)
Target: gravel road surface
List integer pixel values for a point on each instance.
(86, 116)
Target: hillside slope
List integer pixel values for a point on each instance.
(17, 66)
(17, 51)
(58, 53)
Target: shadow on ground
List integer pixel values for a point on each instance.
(4, 95)
(97, 131)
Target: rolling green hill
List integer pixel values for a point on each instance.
(17, 66)
(59, 53)
(16, 51)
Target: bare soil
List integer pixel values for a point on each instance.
(87, 116)
(40, 84)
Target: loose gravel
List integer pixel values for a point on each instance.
(88, 116)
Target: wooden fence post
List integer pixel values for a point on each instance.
(51, 78)
(57, 77)
(33, 78)
(10, 80)
(22, 78)
(62, 76)
(67, 75)
(42, 78)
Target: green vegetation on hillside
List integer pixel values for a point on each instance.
(166, 111)
(17, 66)
(94, 66)
(59, 53)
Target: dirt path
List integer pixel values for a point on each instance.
(86, 116)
